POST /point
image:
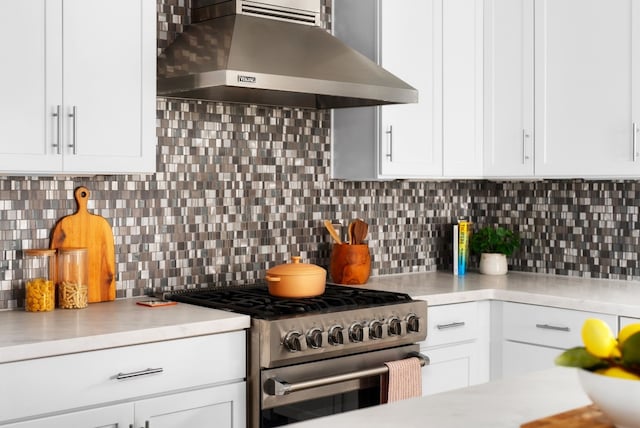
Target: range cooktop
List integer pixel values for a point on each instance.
(258, 303)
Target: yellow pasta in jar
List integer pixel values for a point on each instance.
(40, 295)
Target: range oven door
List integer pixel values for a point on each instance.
(326, 387)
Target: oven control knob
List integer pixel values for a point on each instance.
(356, 332)
(314, 338)
(394, 326)
(335, 336)
(375, 329)
(413, 323)
(294, 342)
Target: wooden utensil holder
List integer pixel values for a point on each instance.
(350, 264)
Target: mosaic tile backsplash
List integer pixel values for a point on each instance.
(241, 188)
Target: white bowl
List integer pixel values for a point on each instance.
(619, 399)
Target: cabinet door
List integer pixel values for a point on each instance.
(30, 85)
(585, 80)
(109, 85)
(118, 416)
(518, 358)
(219, 407)
(449, 368)
(508, 105)
(462, 87)
(411, 48)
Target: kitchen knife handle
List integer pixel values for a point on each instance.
(552, 327)
(121, 376)
(634, 139)
(390, 151)
(74, 115)
(58, 116)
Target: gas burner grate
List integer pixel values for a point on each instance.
(258, 303)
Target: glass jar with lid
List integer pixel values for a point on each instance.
(40, 291)
(73, 278)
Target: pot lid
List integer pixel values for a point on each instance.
(296, 268)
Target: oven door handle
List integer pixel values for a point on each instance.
(275, 386)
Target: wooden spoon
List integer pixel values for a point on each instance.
(360, 230)
(332, 231)
(350, 233)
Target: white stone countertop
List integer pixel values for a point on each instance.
(27, 335)
(598, 295)
(506, 403)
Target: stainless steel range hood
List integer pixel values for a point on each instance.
(274, 54)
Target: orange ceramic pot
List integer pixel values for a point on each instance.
(296, 280)
(350, 264)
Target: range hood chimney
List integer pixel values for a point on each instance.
(271, 53)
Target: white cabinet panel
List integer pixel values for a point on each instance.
(80, 95)
(180, 364)
(220, 407)
(449, 368)
(508, 103)
(519, 358)
(30, 84)
(462, 88)
(584, 87)
(117, 416)
(411, 48)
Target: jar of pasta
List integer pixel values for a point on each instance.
(40, 291)
(73, 278)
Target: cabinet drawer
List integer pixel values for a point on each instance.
(452, 323)
(541, 325)
(64, 382)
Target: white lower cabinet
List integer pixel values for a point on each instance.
(624, 321)
(531, 336)
(196, 381)
(457, 345)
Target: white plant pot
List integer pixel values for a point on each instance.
(493, 264)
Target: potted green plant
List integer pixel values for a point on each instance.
(494, 244)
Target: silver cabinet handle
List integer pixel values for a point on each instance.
(275, 386)
(390, 152)
(145, 372)
(450, 325)
(74, 116)
(58, 116)
(552, 327)
(634, 139)
(525, 136)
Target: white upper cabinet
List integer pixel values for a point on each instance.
(462, 88)
(27, 102)
(586, 70)
(586, 101)
(435, 46)
(508, 110)
(396, 141)
(410, 40)
(81, 96)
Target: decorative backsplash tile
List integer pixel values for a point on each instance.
(242, 188)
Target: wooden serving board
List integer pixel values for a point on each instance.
(93, 232)
(582, 417)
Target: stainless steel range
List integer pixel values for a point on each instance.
(317, 356)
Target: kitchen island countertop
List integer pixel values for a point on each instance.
(506, 403)
(27, 335)
(610, 296)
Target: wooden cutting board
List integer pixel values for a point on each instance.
(93, 232)
(582, 417)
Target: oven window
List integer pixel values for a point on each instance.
(318, 407)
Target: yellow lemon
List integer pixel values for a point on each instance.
(618, 372)
(628, 331)
(598, 339)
